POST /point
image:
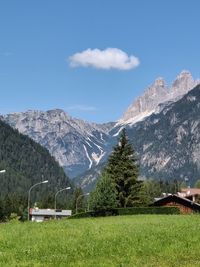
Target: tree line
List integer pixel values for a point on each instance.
(26, 163)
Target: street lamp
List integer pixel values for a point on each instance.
(29, 195)
(67, 188)
(87, 194)
(2, 171)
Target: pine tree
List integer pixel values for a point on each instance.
(123, 169)
(104, 196)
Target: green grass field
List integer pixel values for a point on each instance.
(140, 240)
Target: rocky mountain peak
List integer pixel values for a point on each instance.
(57, 114)
(145, 104)
(158, 88)
(184, 74)
(157, 94)
(159, 82)
(56, 111)
(182, 84)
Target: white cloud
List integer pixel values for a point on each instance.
(110, 58)
(82, 108)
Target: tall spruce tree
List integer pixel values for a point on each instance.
(123, 169)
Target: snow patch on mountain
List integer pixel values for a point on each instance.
(101, 136)
(86, 152)
(137, 118)
(118, 132)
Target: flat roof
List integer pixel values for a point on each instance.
(49, 212)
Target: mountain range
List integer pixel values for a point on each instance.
(157, 125)
(75, 144)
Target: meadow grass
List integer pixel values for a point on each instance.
(140, 240)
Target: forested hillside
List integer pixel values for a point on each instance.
(27, 163)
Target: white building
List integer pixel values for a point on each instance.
(40, 215)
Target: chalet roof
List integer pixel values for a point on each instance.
(179, 200)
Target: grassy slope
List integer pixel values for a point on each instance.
(142, 240)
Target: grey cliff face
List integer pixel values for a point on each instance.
(144, 104)
(157, 94)
(182, 84)
(77, 145)
(168, 143)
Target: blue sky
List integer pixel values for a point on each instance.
(38, 38)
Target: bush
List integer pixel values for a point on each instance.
(149, 210)
(13, 216)
(128, 211)
(24, 216)
(86, 214)
(104, 196)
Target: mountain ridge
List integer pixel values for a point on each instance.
(80, 146)
(167, 144)
(76, 144)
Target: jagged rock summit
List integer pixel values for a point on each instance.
(157, 94)
(76, 144)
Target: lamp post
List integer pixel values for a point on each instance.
(2, 171)
(67, 188)
(87, 194)
(29, 195)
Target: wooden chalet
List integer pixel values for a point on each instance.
(185, 205)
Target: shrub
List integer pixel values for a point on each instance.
(149, 210)
(104, 196)
(128, 211)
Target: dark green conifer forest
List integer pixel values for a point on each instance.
(27, 163)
